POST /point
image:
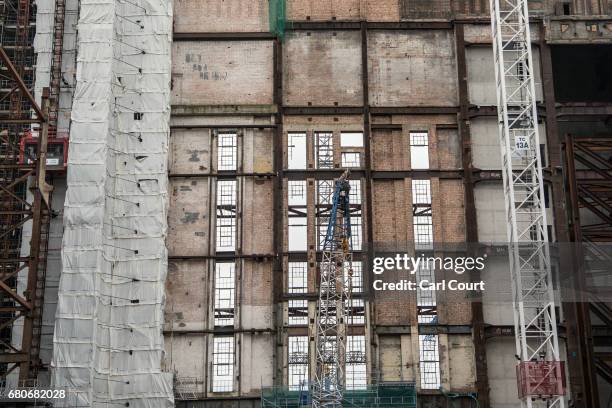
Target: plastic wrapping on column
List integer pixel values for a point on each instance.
(277, 17)
(108, 341)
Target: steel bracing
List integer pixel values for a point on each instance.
(22, 304)
(334, 295)
(588, 183)
(537, 343)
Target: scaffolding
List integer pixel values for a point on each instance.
(22, 263)
(113, 249)
(588, 185)
(383, 395)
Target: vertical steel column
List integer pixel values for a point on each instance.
(471, 232)
(369, 207)
(277, 198)
(36, 266)
(16, 211)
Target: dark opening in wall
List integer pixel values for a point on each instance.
(566, 9)
(583, 73)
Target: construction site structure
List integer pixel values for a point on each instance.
(331, 318)
(25, 196)
(210, 240)
(387, 395)
(540, 371)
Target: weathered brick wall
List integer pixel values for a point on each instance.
(415, 68)
(322, 69)
(189, 217)
(325, 10)
(222, 73)
(220, 16)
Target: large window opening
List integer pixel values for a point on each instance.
(429, 362)
(325, 192)
(298, 363)
(226, 151)
(225, 281)
(296, 150)
(324, 150)
(298, 277)
(226, 216)
(581, 73)
(223, 364)
(421, 214)
(356, 376)
(298, 312)
(419, 150)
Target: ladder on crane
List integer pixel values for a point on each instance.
(540, 373)
(334, 295)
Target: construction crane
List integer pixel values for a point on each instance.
(334, 296)
(540, 373)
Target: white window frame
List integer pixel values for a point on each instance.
(356, 370)
(354, 162)
(297, 364)
(225, 291)
(351, 139)
(429, 361)
(297, 231)
(223, 364)
(419, 150)
(297, 304)
(225, 228)
(296, 192)
(227, 151)
(296, 150)
(297, 277)
(324, 153)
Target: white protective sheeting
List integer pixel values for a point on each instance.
(108, 342)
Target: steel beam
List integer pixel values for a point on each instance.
(471, 232)
(278, 211)
(204, 36)
(22, 86)
(369, 202)
(370, 25)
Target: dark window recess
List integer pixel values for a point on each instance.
(550, 233)
(566, 9)
(582, 73)
(546, 197)
(543, 155)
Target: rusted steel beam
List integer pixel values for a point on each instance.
(277, 203)
(6, 289)
(30, 344)
(13, 357)
(22, 86)
(583, 380)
